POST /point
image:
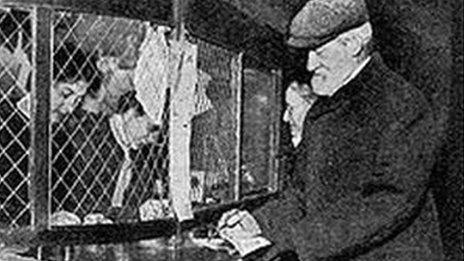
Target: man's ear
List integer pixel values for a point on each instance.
(357, 38)
(353, 43)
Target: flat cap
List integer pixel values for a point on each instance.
(321, 21)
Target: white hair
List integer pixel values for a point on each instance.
(363, 34)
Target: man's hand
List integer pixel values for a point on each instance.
(238, 224)
(242, 230)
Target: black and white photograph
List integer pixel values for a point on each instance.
(231, 130)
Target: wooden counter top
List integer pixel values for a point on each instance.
(145, 251)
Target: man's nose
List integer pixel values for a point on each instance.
(286, 116)
(313, 61)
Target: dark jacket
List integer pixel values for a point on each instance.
(360, 176)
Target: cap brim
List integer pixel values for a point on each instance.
(309, 43)
(298, 43)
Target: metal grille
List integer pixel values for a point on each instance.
(108, 142)
(214, 127)
(16, 48)
(108, 156)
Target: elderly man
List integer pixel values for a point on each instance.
(361, 169)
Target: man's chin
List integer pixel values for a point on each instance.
(318, 84)
(321, 88)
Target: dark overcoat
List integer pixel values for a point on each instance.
(360, 181)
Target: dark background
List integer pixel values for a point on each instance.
(422, 40)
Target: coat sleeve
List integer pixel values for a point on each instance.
(275, 219)
(390, 195)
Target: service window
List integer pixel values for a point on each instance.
(136, 117)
